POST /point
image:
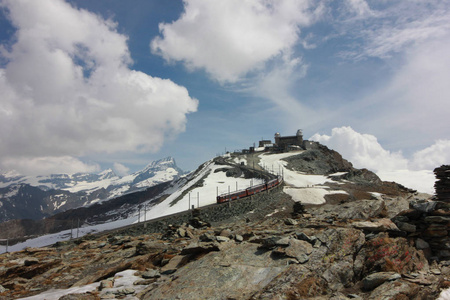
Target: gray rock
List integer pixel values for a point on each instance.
(125, 291)
(436, 219)
(234, 274)
(28, 261)
(239, 238)
(2, 289)
(173, 264)
(304, 237)
(394, 290)
(106, 284)
(283, 241)
(299, 250)
(269, 242)
(403, 226)
(361, 209)
(423, 206)
(143, 248)
(207, 237)
(376, 226)
(189, 233)
(421, 244)
(340, 274)
(222, 239)
(145, 281)
(225, 233)
(197, 247)
(376, 279)
(151, 274)
(181, 232)
(290, 221)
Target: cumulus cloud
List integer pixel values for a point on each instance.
(228, 42)
(364, 151)
(48, 165)
(120, 169)
(432, 157)
(68, 89)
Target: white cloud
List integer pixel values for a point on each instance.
(68, 90)
(360, 8)
(230, 38)
(362, 150)
(120, 169)
(392, 28)
(413, 104)
(419, 180)
(49, 165)
(432, 157)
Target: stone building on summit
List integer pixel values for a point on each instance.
(285, 143)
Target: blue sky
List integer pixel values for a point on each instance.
(88, 85)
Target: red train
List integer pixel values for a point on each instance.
(249, 191)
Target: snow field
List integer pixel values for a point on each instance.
(121, 280)
(213, 184)
(301, 187)
(310, 195)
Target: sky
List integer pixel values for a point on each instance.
(89, 85)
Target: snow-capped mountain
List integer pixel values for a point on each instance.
(58, 192)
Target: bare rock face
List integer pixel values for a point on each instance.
(237, 273)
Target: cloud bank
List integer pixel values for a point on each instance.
(68, 90)
(364, 151)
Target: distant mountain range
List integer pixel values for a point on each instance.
(35, 197)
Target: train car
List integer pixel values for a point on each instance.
(272, 183)
(249, 191)
(232, 196)
(256, 189)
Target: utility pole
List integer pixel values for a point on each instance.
(139, 213)
(71, 229)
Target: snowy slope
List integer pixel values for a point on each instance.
(304, 188)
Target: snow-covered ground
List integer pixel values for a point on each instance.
(303, 188)
(215, 183)
(50, 239)
(121, 280)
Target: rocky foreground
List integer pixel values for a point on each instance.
(341, 251)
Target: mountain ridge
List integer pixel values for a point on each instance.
(76, 190)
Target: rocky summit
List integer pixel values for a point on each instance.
(377, 240)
